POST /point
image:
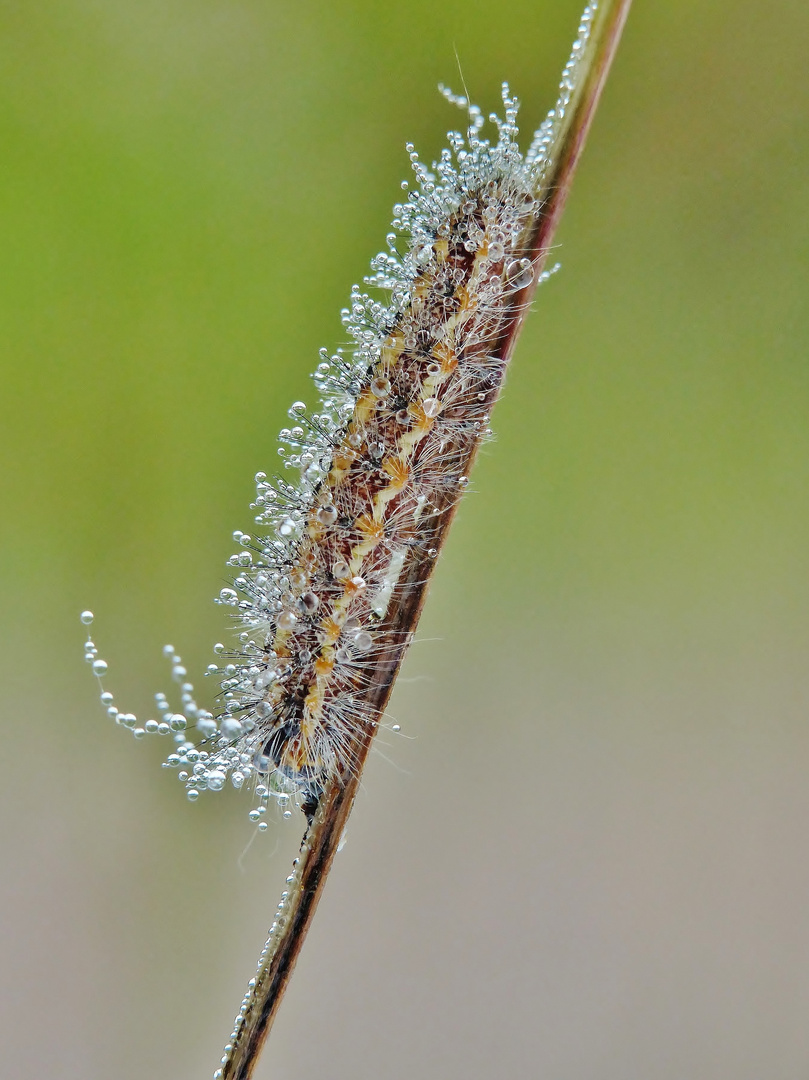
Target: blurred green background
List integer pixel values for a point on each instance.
(587, 856)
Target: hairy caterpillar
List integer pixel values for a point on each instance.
(321, 600)
(326, 599)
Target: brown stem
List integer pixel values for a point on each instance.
(328, 822)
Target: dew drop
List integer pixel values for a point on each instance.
(206, 726)
(216, 780)
(231, 729)
(99, 667)
(261, 762)
(86, 617)
(327, 514)
(519, 273)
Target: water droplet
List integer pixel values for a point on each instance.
(519, 273)
(192, 795)
(230, 728)
(206, 726)
(431, 407)
(327, 514)
(151, 727)
(86, 617)
(380, 387)
(262, 763)
(310, 602)
(99, 667)
(216, 780)
(363, 641)
(286, 620)
(341, 569)
(178, 722)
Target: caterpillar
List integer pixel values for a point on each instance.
(327, 595)
(320, 598)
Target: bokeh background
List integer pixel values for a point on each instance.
(586, 855)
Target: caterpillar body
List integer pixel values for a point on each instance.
(326, 600)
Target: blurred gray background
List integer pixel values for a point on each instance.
(586, 855)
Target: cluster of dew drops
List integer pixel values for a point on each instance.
(187, 756)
